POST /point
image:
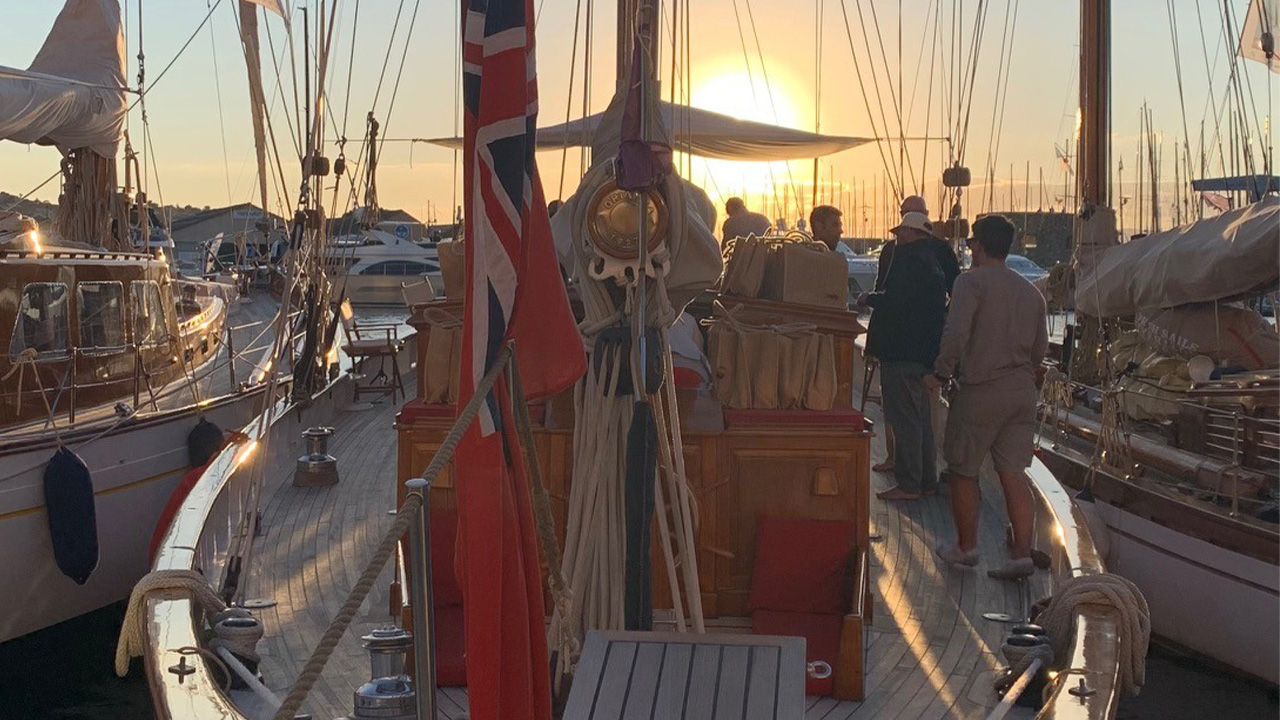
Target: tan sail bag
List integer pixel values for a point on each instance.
(453, 267)
(748, 259)
(444, 348)
(808, 273)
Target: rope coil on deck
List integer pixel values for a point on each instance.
(1057, 616)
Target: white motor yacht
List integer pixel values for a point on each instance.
(372, 266)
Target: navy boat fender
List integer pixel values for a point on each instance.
(73, 524)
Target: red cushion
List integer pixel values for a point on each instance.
(820, 631)
(801, 564)
(444, 580)
(451, 659)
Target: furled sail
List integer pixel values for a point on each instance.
(276, 6)
(73, 94)
(706, 134)
(1258, 37)
(1212, 259)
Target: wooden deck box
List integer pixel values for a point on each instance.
(793, 462)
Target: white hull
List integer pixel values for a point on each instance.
(1213, 601)
(134, 470)
(380, 289)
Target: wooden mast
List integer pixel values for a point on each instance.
(253, 63)
(1095, 226)
(1092, 151)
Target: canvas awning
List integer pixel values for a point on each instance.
(1230, 255)
(73, 95)
(706, 134)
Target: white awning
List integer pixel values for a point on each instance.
(1212, 259)
(706, 134)
(73, 95)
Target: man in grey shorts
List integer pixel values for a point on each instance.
(995, 338)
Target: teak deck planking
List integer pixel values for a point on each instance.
(930, 653)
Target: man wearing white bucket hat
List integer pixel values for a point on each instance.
(904, 332)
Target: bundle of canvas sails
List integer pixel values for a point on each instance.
(1179, 287)
(74, 93)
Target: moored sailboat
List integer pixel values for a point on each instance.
(1164, 421)
(111, 361)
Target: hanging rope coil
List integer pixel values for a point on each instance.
(1133, 621)
(131, 642)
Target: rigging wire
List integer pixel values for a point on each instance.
(755, 97)
(1001, 99)
(142, 91)
(1237, 61)
(222, 126)
(1177, 69)
(568, 110)
(764, 73)
(351, 64)
(1208, 71)
(904, 160)
(979, 28)
(866, 101)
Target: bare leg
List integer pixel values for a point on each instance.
(1020, 506)
(965, 500)
(887, 465)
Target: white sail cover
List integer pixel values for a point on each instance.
(73, 94)
(1263, 20)
(706, 134)
(1229, 255)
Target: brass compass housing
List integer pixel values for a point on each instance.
(613, 221)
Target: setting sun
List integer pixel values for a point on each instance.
(732, 91)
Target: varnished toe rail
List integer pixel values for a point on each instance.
(1084, 684)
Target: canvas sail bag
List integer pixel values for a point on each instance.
(758, 347)
(808, 273)
(444, 347)
(820, 393)
(453, 267)
(746, 267)
(794, 343)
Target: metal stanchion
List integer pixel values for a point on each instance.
(424, 631)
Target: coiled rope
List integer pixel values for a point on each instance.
(1134, 621)
(131, 643)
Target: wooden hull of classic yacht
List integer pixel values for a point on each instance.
(1211, 580)
(134, 469)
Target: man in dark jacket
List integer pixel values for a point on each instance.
(905, 329)
(942, 249)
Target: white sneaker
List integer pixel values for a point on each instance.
(1014, 569)
(952, 553)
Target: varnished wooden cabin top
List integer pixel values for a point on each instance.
(148, 337)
